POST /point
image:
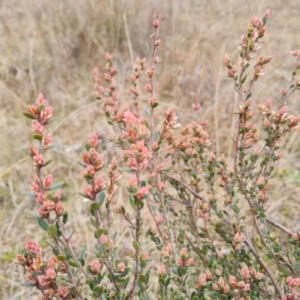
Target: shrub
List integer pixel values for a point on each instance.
(213, 236)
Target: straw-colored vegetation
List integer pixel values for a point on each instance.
(52, 47)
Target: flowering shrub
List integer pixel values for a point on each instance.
(206, 246)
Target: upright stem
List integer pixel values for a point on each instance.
(154, 153)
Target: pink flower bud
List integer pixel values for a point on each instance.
(108, 56)
(148, 87)
(46, 115)
(95, 266)
(41, 197)
(47, 140)
(40, 100)
(196, 107)
(43, 212)
(49, 205)
(162, 271)
(112, 294)
(37, 127)
(157, 43)
(63, 292)
(59, 208)
(48, 180)
(149, 72)
(202, 279)
(103, 239)
(140, 194)
(267, 13)
(38, 160)
(50, 273)
(93, 141)
(188, 262)
(95, 71)
(155, 23)
(32, 247)
(121, 267)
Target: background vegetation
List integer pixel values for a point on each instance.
(52, 47)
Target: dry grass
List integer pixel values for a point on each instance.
(52, 46)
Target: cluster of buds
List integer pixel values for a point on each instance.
(221, 286)
(291, 284)
(134, 128)
(204, 278)
(121, 267)
(280, 117)
(184, 259)
(159, 220)
(167, 251)
(138, 68)
(247, 276)
(93, 162)
(106, 242)
(259, 67)
(249, 45)
(42, 115)
(43, 275)
(203, 210)
(231, 70)
(250, 40)
(95, 266)
(149, 87)
(192, 137)
(277, 123)
(170, 123)
(108, 94)
(237, 241)
(263, 188)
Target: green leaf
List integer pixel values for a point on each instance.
(27, 152)
(43, 224)
(147, 124)
(30, 194)
(68, 253)
(101, 198)
(95, 206)
(93, 222)
(61, 257)
(52, 230)
(73, 263)
(29, 116)
(47, 163)
(147, 112)
(56, 185)
(52, 146)
(143, 278)
(167, 282)
(182, 271)
(135, 245)
(28, 284)
(127, 170)
(81, 164)
(244, 79)
(248, 96)
(101, 231)
(38, 137)
(65, 217)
